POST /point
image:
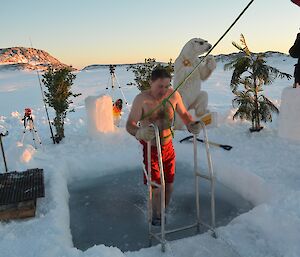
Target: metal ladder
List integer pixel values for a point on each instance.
(210, 177)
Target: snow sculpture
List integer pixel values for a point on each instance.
(289, 116)
(193, 97)
(99, 114)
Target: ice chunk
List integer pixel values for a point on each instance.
(289, 117)
(100, 114)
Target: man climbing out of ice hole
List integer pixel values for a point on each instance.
(145, 111)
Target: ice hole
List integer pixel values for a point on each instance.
(112, 209)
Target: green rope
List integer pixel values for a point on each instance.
(173, 120)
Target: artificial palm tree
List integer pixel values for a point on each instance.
(251, 71)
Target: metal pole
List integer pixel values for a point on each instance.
(196, 182)
(212, 177)
(149, 179)
(2, 149)
(162, 188)
(43, 97)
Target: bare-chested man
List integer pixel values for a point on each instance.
(141, 111)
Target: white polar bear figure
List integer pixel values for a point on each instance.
(192, 95)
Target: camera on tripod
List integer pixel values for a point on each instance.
(112, 69)
(29, 126)
(27, 112)
(27, 119)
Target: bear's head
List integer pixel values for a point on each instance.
(196, 46)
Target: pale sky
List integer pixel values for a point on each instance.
(80, 33)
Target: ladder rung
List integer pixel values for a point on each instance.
(203, 176)
(206, 225)
(156, 236)
(178, 229)
(155, 184)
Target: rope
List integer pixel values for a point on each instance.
(202, 59)
(43, 97)
(164, 103)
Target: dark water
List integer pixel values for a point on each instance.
(112, 210)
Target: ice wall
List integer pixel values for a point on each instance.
(99, 114)
(289, 117)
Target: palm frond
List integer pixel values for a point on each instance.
(272, 106)
(240, 66)
(279, 74)
(245, 48)
(244, 103)
(238, 46)
(266, 108)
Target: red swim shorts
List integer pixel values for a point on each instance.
(168, 159)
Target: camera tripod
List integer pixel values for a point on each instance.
(113, 81)
(29, 127)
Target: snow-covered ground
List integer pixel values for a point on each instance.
(261, 167)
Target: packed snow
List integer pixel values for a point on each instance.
(262, 167)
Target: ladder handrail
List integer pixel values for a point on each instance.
(162, 181)
(161, 236)
(210, 170)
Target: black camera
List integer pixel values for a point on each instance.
(112, 69)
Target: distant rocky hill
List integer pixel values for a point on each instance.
(218, 58)
(232, 56)
(22, 58)
(100, 66)
(19, 58)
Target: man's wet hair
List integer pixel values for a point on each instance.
(160, 73)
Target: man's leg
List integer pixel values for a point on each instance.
(156, 206)
(156, 199)
(169, 191)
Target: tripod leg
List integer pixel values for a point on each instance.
(33, 138)
(23, 136)
(35, 132)
(3, 155)
(37, 136)
(25, 129)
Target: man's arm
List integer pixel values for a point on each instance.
(192, 126)
(134, 116)
(140, 133)
(181, 110)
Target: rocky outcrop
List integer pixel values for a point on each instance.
(20, 58)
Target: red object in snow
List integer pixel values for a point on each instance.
(27, 112)
(297, 2)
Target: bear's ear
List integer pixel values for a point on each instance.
(191, 42)
(194, 42)
(198, 42)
